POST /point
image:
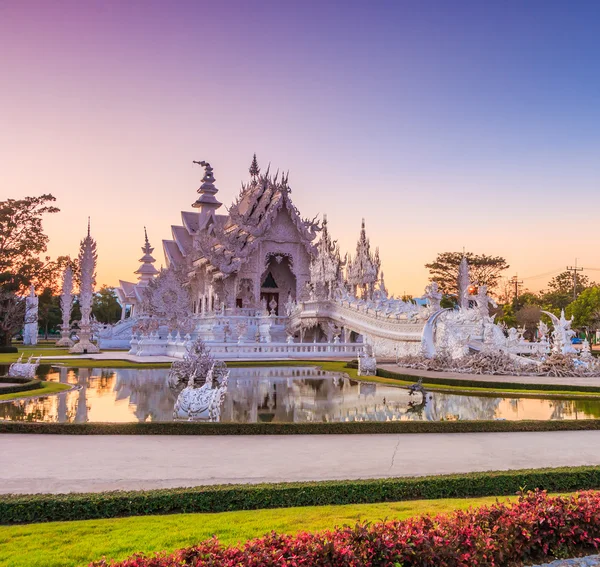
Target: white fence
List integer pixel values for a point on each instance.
(152, 345)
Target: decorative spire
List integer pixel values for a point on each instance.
(363, 271)
(207, 190)
(464, 282)
(87, 281)
(254, 169)
(326, 266)
(147, 270)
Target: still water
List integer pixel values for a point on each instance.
(271, 394)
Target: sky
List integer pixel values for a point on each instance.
(444, 124)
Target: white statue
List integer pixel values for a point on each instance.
(483, 301)
(203, 403)
(367, 364)
(206, 384)
(30, 330)
(586, 352)
(433, 295)
(542, 330)
(562, 334)
(66, 306)
(87, 266)
(22, 369)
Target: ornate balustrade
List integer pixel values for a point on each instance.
(272, 351)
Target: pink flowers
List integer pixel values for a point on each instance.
(535, 527)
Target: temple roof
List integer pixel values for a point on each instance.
(226, 241)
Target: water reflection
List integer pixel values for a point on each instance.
(273, 394)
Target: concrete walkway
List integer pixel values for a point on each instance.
(62, 463)
(568, 381)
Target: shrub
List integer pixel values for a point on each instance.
(8, 349)
(534, 528)
(22, 509)
(310, 428)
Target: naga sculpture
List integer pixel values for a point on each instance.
(205, 385)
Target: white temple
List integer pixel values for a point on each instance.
(256, 282)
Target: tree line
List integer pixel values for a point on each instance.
(23, 262)
(520, 309)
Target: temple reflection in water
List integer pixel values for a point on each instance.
(272, 394)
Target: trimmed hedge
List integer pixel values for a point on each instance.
(466, 383)
(333, 428)
(21, 384)
(24, 509)
(8, 349)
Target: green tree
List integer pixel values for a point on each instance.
(585, 310)
(22, 241)
(483, 270)
(560, 290)
(105, 307)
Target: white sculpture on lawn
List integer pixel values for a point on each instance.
(66, 306)
(30, 329)
(87, 267)
(22, 369)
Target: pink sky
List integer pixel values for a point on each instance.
(443, 130)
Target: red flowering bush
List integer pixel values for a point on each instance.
(536, 527)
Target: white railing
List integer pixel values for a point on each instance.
(271, 351)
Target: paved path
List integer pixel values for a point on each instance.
(569, 381)
(63, 463)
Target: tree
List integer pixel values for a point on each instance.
(483, 270)
(49, 313)
(529, 317)
(105, 307)
(560, 292)
(22, 241)
(563, 283)
(585, 310)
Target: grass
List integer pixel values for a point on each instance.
(72, 544)
(46, 388)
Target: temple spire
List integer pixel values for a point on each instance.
(254, 169)
(207, 200)
(147, 270)
(363, 270)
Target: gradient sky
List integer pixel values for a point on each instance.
(444, 123)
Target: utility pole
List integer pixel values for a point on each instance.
(574, 269)
(515, 281)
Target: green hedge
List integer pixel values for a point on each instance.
(8, 349)
(22, 385)
(466, 383)
(355, 427)
(18, 509)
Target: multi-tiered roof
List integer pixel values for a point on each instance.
(222, 243)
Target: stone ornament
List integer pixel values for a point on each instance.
(30, 328)
(66, 306)
(87, 266)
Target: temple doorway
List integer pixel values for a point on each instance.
(278, 283)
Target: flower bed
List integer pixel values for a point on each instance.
(535, 528)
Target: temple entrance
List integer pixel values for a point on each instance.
(278, 283)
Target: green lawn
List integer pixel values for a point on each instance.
(47, 388)
(72, 544)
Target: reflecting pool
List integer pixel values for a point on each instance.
(271, 394)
